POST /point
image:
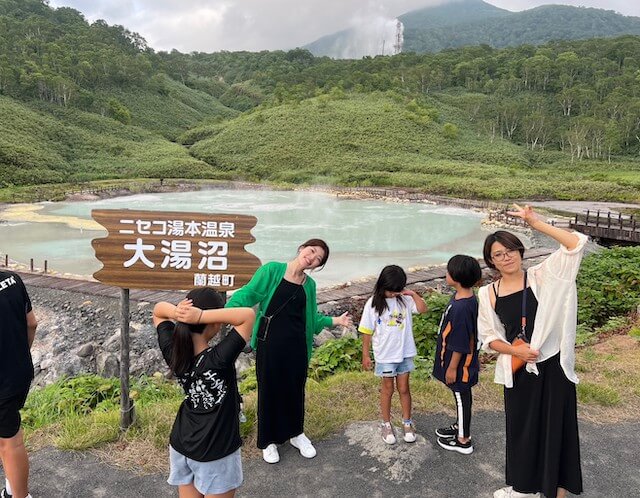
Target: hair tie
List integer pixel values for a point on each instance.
(200, 316)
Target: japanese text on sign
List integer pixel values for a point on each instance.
(192, 248)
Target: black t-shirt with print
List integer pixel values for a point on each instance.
(16, 367)
(207, 427)
(458, 333)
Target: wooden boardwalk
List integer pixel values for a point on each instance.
(608, 227)
(95, 288)
(360, 289)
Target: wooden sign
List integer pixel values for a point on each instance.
(174, 250)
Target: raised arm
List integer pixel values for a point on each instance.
(163, 311)
(242, 319)
(568, 239)
(421, 305)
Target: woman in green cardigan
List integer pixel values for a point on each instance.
(286, 294)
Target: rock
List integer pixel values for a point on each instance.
(113, 343)
(108, 365)
(36, 357)
(68, 368)
(323, 337)
(86, 350)
(147, 363)
(348, 332)
(244, 362)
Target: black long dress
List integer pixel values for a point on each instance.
(543, 449)
(281, 368)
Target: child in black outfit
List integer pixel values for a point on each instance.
(456, 362)
(204, 451)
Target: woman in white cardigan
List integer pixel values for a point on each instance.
(539, 307)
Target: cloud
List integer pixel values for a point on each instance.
(214, 25)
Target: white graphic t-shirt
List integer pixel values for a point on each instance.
(392, 331)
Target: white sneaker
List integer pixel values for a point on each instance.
(270, 454)
(409, 433)
(387, 433)
(509, 492)
(304, 445)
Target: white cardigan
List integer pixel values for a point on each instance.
(553, 282)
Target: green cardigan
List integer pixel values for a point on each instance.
(260, 290)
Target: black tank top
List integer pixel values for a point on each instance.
(509, 310)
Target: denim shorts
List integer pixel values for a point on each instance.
(209, 478)
(394, 369)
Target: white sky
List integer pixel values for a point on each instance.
(214, 25)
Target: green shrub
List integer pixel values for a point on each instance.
(340, 355)
(450, 131)
(608, 285)
(248, 381)
(118, 111)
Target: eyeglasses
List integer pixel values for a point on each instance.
(501, 255)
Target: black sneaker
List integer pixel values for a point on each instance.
(452, 444)
(4, 494)
(451, 431)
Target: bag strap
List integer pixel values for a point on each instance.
(523, 320)
(291, 298)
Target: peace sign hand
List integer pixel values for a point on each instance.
(526, 213)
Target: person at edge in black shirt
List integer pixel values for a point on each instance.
(17, 332)
(205, 439)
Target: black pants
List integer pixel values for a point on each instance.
(464, 401)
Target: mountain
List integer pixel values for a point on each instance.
(534, 26)
(474, 22)
(451, 14)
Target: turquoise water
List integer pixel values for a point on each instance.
(363, 236)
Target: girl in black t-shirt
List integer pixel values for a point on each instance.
(205, 438)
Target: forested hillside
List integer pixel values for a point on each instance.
(83, 101)
(460, 23)
(581, 97)
(474, 22)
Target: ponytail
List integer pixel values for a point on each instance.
(182, 350)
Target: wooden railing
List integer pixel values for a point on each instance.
(608, 226)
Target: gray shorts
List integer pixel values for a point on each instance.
(209, 478)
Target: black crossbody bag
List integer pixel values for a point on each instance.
(265, 320)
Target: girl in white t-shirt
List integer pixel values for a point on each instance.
(387, 322)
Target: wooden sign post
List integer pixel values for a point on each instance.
(169, 251)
